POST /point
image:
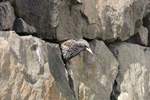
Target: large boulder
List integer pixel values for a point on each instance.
(31, 69)
(132, 82)
(7, 16)
(43, 15)
(102, 19)
(93, 75)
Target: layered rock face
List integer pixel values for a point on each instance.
(64, 19)
(7, 16)
(31, 64)
(132, 81)
(30, 69)
(93, 76)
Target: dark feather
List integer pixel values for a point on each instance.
(72, 48)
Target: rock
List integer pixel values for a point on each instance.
(77, 23)
(30, 71)
(141, 37)
(7, 16)
(43, 15)
(72, 19)
(70, 26)
(20, 26)
(146, 23)
(132, 82)
(3, 0)
(117, 19)
(93, 75)
(106, 20)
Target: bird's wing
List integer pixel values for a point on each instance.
(66, 45)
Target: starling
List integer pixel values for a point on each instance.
(72, 48)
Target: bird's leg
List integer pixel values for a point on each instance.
(69, 61)
(66, 74)
(66, 71)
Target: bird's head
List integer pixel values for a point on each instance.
(84, 44)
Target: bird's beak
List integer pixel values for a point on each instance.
(89, 50)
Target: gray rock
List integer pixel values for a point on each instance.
(141, 37)
(132, 82)
(43, 15)
(20, 26)
(7, 16)
(93, 75)
(143, 33)
(146, 23)
(119, 19)
(31, 69)
(77, 22)
(106, 20)
(70, 27)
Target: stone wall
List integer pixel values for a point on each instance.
(31, 66)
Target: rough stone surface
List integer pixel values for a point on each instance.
(146, 23)
(140, 38)
(101, 19)
(132, 82)
(20, 26)
(70, 22)
(30, 71)
(43, 15)
(7, 16)
(117, 18)
(93, 75)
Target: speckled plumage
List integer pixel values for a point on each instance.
(72, 48)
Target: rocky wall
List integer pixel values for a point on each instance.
(31, 64)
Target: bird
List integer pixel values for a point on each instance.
(71, 48)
